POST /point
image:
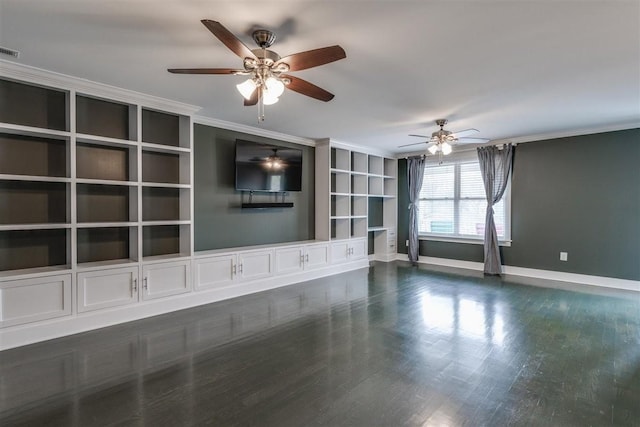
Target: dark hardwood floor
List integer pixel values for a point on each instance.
(389, 346)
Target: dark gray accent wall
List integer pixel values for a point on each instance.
(579, 195)
(219, 220)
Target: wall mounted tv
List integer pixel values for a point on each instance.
(264, 167)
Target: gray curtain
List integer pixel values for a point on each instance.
(495, 166)
(415, 173)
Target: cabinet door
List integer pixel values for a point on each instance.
(255, 264)
(289, 260)
(339, 252)
(161, 280)
(214, 272)
(30, 300)
(358, 249)
(316, 256)
(107, 288)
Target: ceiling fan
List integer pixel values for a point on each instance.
(441, 140)
(266, 69)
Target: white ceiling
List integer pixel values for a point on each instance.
(509, 68)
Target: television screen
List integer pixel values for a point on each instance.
(263, 167)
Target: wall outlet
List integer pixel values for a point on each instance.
(563, 256)
(406, 243)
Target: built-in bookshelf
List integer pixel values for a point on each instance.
(35, 178)
(361, 201)
(166, 187)
(86, 181)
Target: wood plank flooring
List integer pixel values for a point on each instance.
(393, 345)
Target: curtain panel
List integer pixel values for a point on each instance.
(495, 166)
(415, 174)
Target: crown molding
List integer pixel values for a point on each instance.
(14, 70)
(357, 147)
(252, 130)
(567, 134)
(534, 138)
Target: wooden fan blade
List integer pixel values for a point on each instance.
(415, 143)
(465, 132)
(313, 58)
(205, 71)
(472, 140)
(421, 136)
(253, 100)
(309, 89)
(228, 39)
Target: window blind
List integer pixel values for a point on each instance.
(453, 202)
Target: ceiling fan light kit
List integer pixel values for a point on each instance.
(265, 68)
(444, 148)
(246, 88)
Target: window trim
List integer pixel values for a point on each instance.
(453, 239)
(469, 157)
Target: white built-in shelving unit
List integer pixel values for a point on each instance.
(96, 189)
(88, 181)
(356, 197)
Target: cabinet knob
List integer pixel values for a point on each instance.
(240, 268)
(146, 283)
(234, 270)
(306, 258)
(135, 285)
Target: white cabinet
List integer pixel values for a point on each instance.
(121, 286)
(358, 249)
(289, 260)
(316, 256)
(161, 280)
(298, 258)
(348, 250)
(255, 264)
(31, 300)
(227, 269)
(391, 241)
(384, 244)
(215, 271)
(219, 271)
(107, 288)
(340, 251)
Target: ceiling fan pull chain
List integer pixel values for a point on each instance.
(260, 106)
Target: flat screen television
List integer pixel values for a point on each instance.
(264, 167)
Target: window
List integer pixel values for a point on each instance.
(453, 204)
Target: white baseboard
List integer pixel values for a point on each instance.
(81, 322)
(559, 276)
(383, 257)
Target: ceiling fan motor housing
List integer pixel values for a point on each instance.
(442, 135)
(264, 38)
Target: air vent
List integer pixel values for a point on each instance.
(10, 52)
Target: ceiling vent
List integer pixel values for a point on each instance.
(10, 52)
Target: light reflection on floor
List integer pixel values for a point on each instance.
(457, 315)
